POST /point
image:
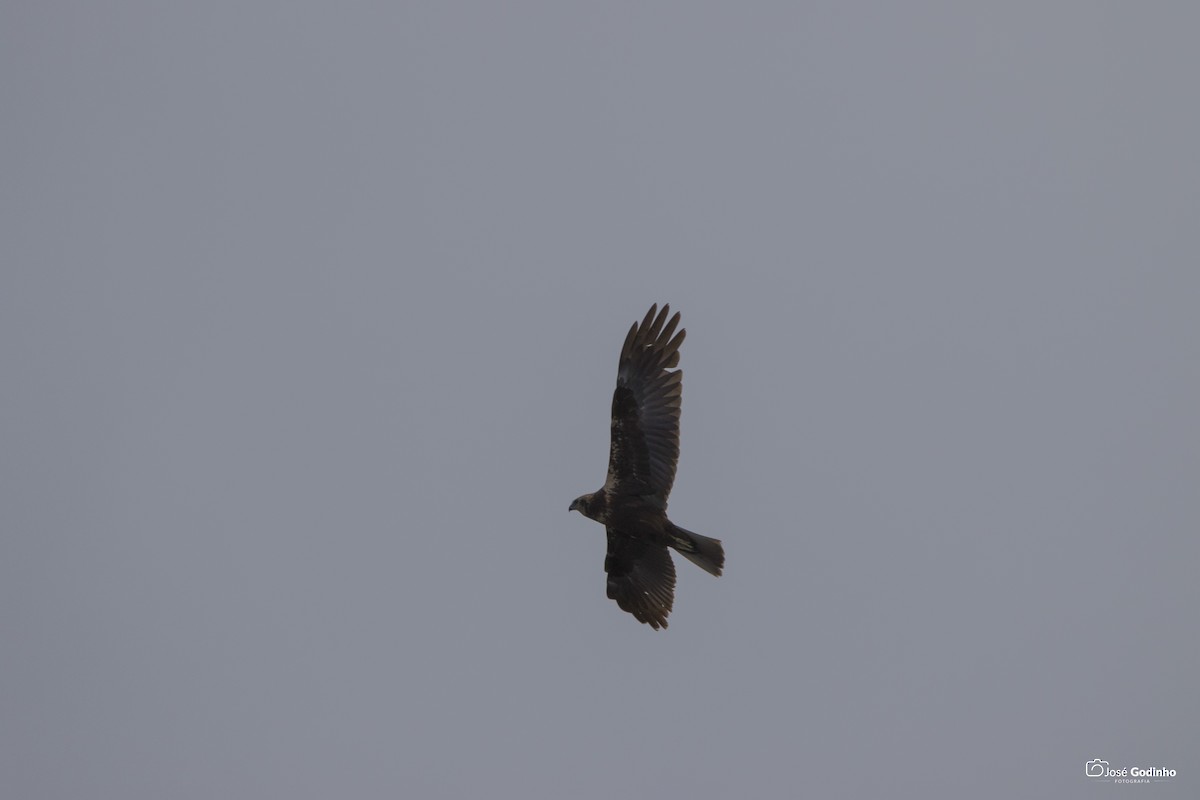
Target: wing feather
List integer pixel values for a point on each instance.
(644, 448)
(641, 577)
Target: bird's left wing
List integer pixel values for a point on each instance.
(644, 449)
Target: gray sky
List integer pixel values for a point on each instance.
(309, 320)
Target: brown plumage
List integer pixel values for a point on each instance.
(632, 504)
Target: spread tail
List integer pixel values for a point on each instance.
(705, 553)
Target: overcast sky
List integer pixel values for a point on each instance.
(309, 323)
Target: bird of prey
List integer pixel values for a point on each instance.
(632, 504)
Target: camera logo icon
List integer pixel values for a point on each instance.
(1096, 768)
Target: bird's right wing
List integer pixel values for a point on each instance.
(641, 577)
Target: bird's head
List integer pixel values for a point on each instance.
(582, 504)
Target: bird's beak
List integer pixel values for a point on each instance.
(574, 505)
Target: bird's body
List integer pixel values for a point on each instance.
(644, 451)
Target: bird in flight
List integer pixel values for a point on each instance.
(632, 504)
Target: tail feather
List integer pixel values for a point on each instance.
(705, 553)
